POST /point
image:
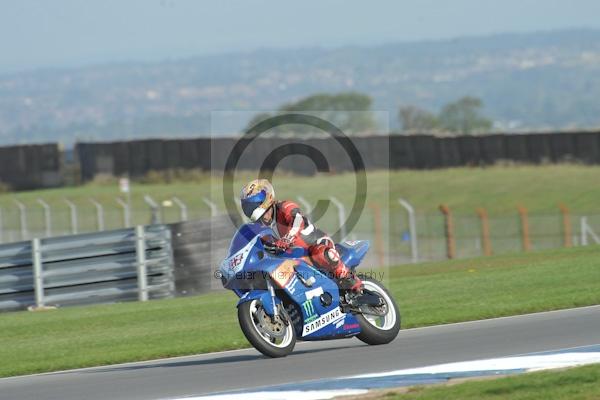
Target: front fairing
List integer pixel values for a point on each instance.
(246, 234)
(247, 263)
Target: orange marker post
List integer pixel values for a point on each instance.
(450, 240)
(567, 229)
(485, 231)
(524, 228)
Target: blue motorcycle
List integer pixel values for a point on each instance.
(284, 298)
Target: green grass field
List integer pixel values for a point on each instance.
(498, 189)
(432, 293)
(576, 383)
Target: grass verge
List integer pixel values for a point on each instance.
(432, 293)
(479, 288)
(575, 383)
(498, 189)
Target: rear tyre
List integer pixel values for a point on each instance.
(272, 338)
(379, 329)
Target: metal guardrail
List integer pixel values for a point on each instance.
(198, 248)
(103, 267)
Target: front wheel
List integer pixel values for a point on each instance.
(382, 323)
(273, 338)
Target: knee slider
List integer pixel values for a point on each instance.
(332, 256)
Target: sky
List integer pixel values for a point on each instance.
(37, 34)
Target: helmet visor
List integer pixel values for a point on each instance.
(249, 207)
(251, 203)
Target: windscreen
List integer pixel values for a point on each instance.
(245, 234)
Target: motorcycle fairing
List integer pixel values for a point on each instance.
(318, 321)
(353, 251)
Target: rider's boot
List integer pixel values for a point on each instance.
(347, 278)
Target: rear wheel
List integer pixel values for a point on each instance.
(379, 324)
(273, 338)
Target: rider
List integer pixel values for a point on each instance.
(292, 228)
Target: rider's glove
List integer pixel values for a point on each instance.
(284, 243)
(270, 247)
(279, 245)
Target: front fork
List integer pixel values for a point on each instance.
(276, 309)
(273, 302)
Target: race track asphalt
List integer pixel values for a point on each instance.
(215, 372)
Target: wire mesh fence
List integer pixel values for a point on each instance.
(34, 221)
(387, 228)
(506, 234)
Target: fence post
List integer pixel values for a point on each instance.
(99, 214)
(140, 251)
(47, 217)
(38, 279)
(341, 217)
(154, 208)
(583, 224)
(449, 224)
(22, 218)
(73, 209)
(183, 214)
(585, 230)
(214, 211)
(485, 231)
(378, 233)
(412, 227)
(567, 230)
(524, 228)
(126, 212)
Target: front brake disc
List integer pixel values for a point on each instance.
(274, 329)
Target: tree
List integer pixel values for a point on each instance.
(463, 116)
(258, 118)
(349, 111)
(416, 119)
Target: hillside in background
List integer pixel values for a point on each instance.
(526, 81)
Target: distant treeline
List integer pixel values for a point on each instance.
(41, 166)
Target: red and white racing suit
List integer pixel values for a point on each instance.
(290, 224)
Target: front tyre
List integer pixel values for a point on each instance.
(383, 325)
(273, 338)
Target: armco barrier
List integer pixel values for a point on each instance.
(198, 248)
(103, 267)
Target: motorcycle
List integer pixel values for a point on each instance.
(284, 298)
